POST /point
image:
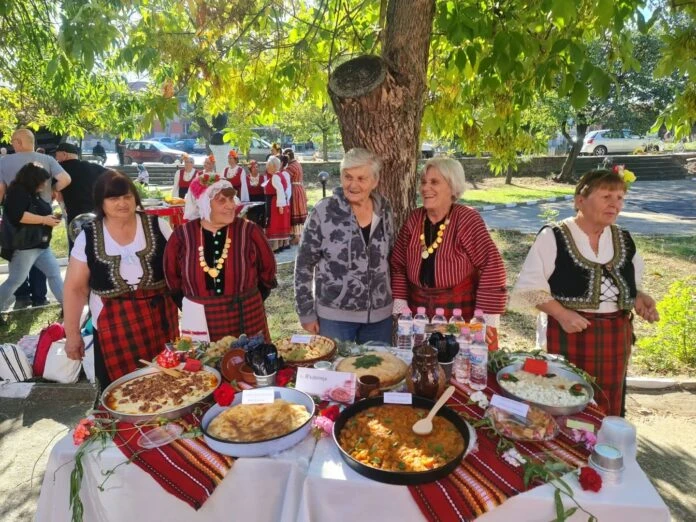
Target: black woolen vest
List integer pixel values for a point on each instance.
(576, 281)
(105, 278)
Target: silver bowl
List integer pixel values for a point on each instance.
(263, 447)
(559, 370)
(174, 413)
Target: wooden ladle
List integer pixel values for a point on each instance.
(425, 426)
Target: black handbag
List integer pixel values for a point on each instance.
(29, 236)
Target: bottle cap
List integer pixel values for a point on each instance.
(478, 337)
(465, 331)
(439, 311)
(478, 313)
(457, 311)
(421, 310)
(406, 311)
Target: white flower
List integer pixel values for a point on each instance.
(513, 457)
(479, 398)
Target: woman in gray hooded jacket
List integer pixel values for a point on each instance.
(342, 282)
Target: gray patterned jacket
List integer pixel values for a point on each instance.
(338, 276)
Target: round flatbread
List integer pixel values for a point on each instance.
(258, 422)
(390, 369)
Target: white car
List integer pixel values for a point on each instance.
(602, 142)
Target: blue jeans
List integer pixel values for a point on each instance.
(357, 332)
(22, 261)
(34, 287)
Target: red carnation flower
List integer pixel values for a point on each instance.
(590, 480)
(224, 395)
(284, 376)
(332, 412)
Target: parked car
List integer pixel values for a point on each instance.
(190, 145)
(607, 141)
(150, 151)
(259, 150)
(427, 150)
(165, 139)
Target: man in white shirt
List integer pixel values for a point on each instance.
(23, 143)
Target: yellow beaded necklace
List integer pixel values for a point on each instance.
(428, 250)
(213, 272)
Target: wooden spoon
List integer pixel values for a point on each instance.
(169, 371)
(425, 426)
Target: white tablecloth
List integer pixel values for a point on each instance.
(258, 490)
(332, 487)
(309, 484)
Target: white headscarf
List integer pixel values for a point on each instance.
(201, 193)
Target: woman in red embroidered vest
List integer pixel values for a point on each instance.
(444, 256)
(585, 274)
(117, 264)
(183, 177)
(253, 190)
(298, 202)
(233, 172)
(278, 227)
(209, 165)
(223, 266)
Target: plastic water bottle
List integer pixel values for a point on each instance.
(462, 362)
(456, 316)
(439, 317)
(478, 319)
(404, 330)
(420, 321)
(478, 377)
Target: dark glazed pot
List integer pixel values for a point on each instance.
(425, 377)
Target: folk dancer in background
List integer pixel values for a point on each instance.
(233, 172)
(183, 177)
(288, 195)
(298, 202)
(209, 166)
(253, 189)
(278, 226)
(221, 266)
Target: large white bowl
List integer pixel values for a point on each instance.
(264, 447)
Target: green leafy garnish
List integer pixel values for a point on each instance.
(297, 354)
(369, 414)
(367, 361)
(401, 465)
(577, 390)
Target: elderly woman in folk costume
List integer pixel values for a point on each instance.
(278, 226)
(253, 190)
(287, 182)
(444, 256)
(221, 265)
(585, 274)
(183, 177)
(298, 202)
(117, 266)
(233, 172)
(209, 165)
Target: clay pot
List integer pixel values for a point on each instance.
(425, 377)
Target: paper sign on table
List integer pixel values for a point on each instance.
(328, 385)
(397, 398)
(536, 366)
(301, 339)
(580, 425)
(258, 396)
(514, 407)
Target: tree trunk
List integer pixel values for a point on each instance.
(325, 144)
(508, 176)
(379, 100)
(566, 175)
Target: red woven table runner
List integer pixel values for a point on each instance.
(484, 480)
(185, 468)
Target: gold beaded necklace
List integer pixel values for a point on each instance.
(213, 272)
(427, 251)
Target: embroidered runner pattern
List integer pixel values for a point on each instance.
(185, 468)
(484, 480)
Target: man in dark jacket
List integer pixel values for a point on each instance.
(99, 151)
(78, 197)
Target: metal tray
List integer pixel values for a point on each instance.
(404, 477)
(169, 414)
(263, 447)
(559, 370)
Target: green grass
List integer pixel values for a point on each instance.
(503, 194)
(689, 146)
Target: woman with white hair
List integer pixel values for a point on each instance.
(444, 256)
(221, 265)
(278, 226)
(342, 286)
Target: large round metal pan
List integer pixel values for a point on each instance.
(169, 414)
(262, 447)
(403, 477)
(559, 370)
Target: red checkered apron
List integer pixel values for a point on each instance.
(135, 326)
(602, 350)
(234, 314)
(461, 296)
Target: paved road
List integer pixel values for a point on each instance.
(652, 207)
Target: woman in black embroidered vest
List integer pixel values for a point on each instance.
(117, 263)
(223, 266)
(585, 274)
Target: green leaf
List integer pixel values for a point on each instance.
(601, 82)
(460, 59)
(559, 45)
(559, 505)
(579, 95)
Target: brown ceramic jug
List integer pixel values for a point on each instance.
(425, 377)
